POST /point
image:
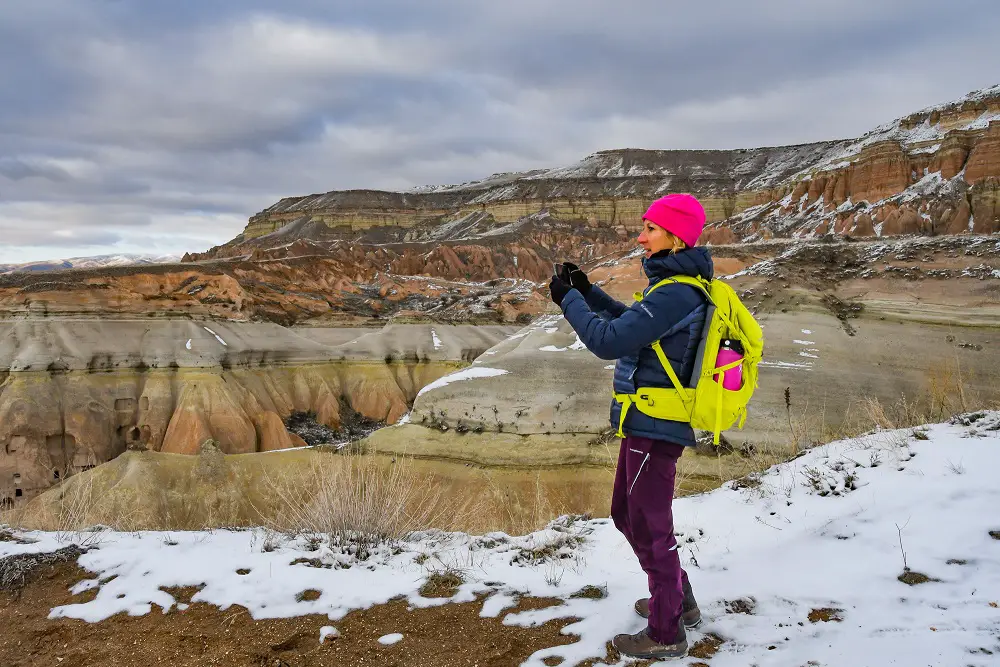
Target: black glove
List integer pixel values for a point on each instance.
(575, 276)
(558, 289)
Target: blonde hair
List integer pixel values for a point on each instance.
(676, 245)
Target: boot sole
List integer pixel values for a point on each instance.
(654, 656)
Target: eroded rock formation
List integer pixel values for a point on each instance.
(162, 386)
(909, 176)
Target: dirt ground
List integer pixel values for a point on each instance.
(445, 636)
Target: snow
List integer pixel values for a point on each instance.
(933, 148)
(217, 336)
(577, 345)
(803, 342)
(786, 364)
(389, 640)
(328, 631)
(464, 374)
(92, 262)
(830, 529)
(436, 340)
(806, 331)
(188, 344)
(496, 603)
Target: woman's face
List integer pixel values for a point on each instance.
(653, 238)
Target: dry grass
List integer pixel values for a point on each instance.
(309, 491)
(17, 571)
(530, 505)
(443, 584)
(360, 501)
(78, 512)
(946, 392)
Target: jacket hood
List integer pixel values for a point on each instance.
(695, 262)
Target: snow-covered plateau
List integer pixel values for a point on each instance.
(800, 565)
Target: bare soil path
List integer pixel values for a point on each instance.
(447, 636)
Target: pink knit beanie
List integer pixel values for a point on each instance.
(680, 214)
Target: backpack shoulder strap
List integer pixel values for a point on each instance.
(699, 283)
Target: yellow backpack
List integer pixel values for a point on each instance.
(706, 404)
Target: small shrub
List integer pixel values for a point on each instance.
(442, 584)
(591, 592)
(557, 548)
(312, 562)
(741, 606)
(706, 647)
(825, 615)
(308, 595)
(360, 502)
(914, 578)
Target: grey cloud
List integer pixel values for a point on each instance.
(144, 116)
(20, 236)
(18, 170)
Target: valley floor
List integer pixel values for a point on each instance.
(878, 550)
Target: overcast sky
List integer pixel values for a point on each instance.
(155, 126)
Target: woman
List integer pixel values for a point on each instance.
(675, 315)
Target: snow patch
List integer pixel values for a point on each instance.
(389, 640)
(786, 364)
(464, 374)
(578, 345)
(217, 336)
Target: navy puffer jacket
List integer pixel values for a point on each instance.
(674, 314)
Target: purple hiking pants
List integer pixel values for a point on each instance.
(641, 510)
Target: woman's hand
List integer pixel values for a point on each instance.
(575, 276)
(558, 290)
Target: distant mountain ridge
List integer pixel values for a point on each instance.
(94, 262)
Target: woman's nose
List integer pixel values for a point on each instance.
(642, 236)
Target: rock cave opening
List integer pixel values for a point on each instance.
(353, 426)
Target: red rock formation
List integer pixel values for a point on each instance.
(985, 197)
(882, 170)
(718, 235)
(984, 160)
(957, 221)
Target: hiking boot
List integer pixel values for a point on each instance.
(641, 645)
(690, 614)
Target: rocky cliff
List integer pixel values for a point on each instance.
(935, 171)
(342, 284)
(76, 393)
